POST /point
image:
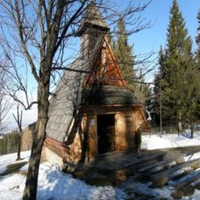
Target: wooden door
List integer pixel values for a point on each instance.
(106, 133)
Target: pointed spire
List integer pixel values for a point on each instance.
(93, 18)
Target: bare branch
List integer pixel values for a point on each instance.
(21, 29)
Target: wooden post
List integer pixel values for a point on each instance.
(160, 101)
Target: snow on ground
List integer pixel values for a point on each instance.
(55, 185)
(11, 187)
(149, 193)
(11, 158)
(156, 141)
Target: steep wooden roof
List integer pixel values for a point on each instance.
(106, 72)
(85, 82)
(64, 104)
(93, 18)
(71, 93)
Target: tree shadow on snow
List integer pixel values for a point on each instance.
(56, 185)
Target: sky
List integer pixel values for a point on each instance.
(158, 13)
(150, 40)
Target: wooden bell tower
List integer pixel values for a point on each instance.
(92, 27)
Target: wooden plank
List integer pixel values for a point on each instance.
(57, 147)
(122, 162)
(186, 180)
(169, 162)
(13, 167)
(159, 179)
(185, 186)
(145, 158)
(150, 169)
(142, 167)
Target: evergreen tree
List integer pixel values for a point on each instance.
(176, 64)
(124, 54)
(143, 90)
(156, 102)
(197, 108)
(125, 58)
(192, 96)
(157, 107)
(198, 40)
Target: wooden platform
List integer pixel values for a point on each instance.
(161, 167)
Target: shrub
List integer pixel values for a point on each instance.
(138, 140)
(138, 137)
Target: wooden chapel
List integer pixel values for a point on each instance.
(92, 111)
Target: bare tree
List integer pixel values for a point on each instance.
(35, 36)
(5, 104)
(18, 119)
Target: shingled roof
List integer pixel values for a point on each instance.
(72, 92)
(108, 95)
(68, 96)
(63, 104)
(93, 18)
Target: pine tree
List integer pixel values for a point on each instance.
(198, 40)
(176, 64)
(197, 57)
(124, 54)
(142, 90)
(157, 107)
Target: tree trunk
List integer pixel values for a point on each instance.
(19, 147)
(180, 128)
(30, 191)
(192, 128)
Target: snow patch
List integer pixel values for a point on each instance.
(156, 141)
(53, 184)
(8, 159)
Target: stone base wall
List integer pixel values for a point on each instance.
(51, 157)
